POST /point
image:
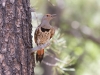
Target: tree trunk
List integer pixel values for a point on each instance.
(15, 38)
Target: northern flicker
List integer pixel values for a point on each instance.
(43, 33)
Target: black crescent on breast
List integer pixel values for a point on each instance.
(43, 29)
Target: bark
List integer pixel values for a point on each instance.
(15, 38)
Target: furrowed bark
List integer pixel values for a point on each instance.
(15, 38)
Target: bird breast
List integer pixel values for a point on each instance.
(43, 37)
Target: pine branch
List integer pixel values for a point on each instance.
(39, 47)
(57, 59)
(49, 64)
(55, 65)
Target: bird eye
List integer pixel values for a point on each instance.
(47, 15)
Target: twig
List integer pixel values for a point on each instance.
(68, 69)
(49, 64)
(54, 65)
(39, 47)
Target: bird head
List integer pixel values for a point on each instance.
(48, 17)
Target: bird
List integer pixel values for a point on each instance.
(43, 33)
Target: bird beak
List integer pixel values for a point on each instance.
(54, 15)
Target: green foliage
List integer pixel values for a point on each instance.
(60, 49)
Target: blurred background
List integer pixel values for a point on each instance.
(75, 47)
